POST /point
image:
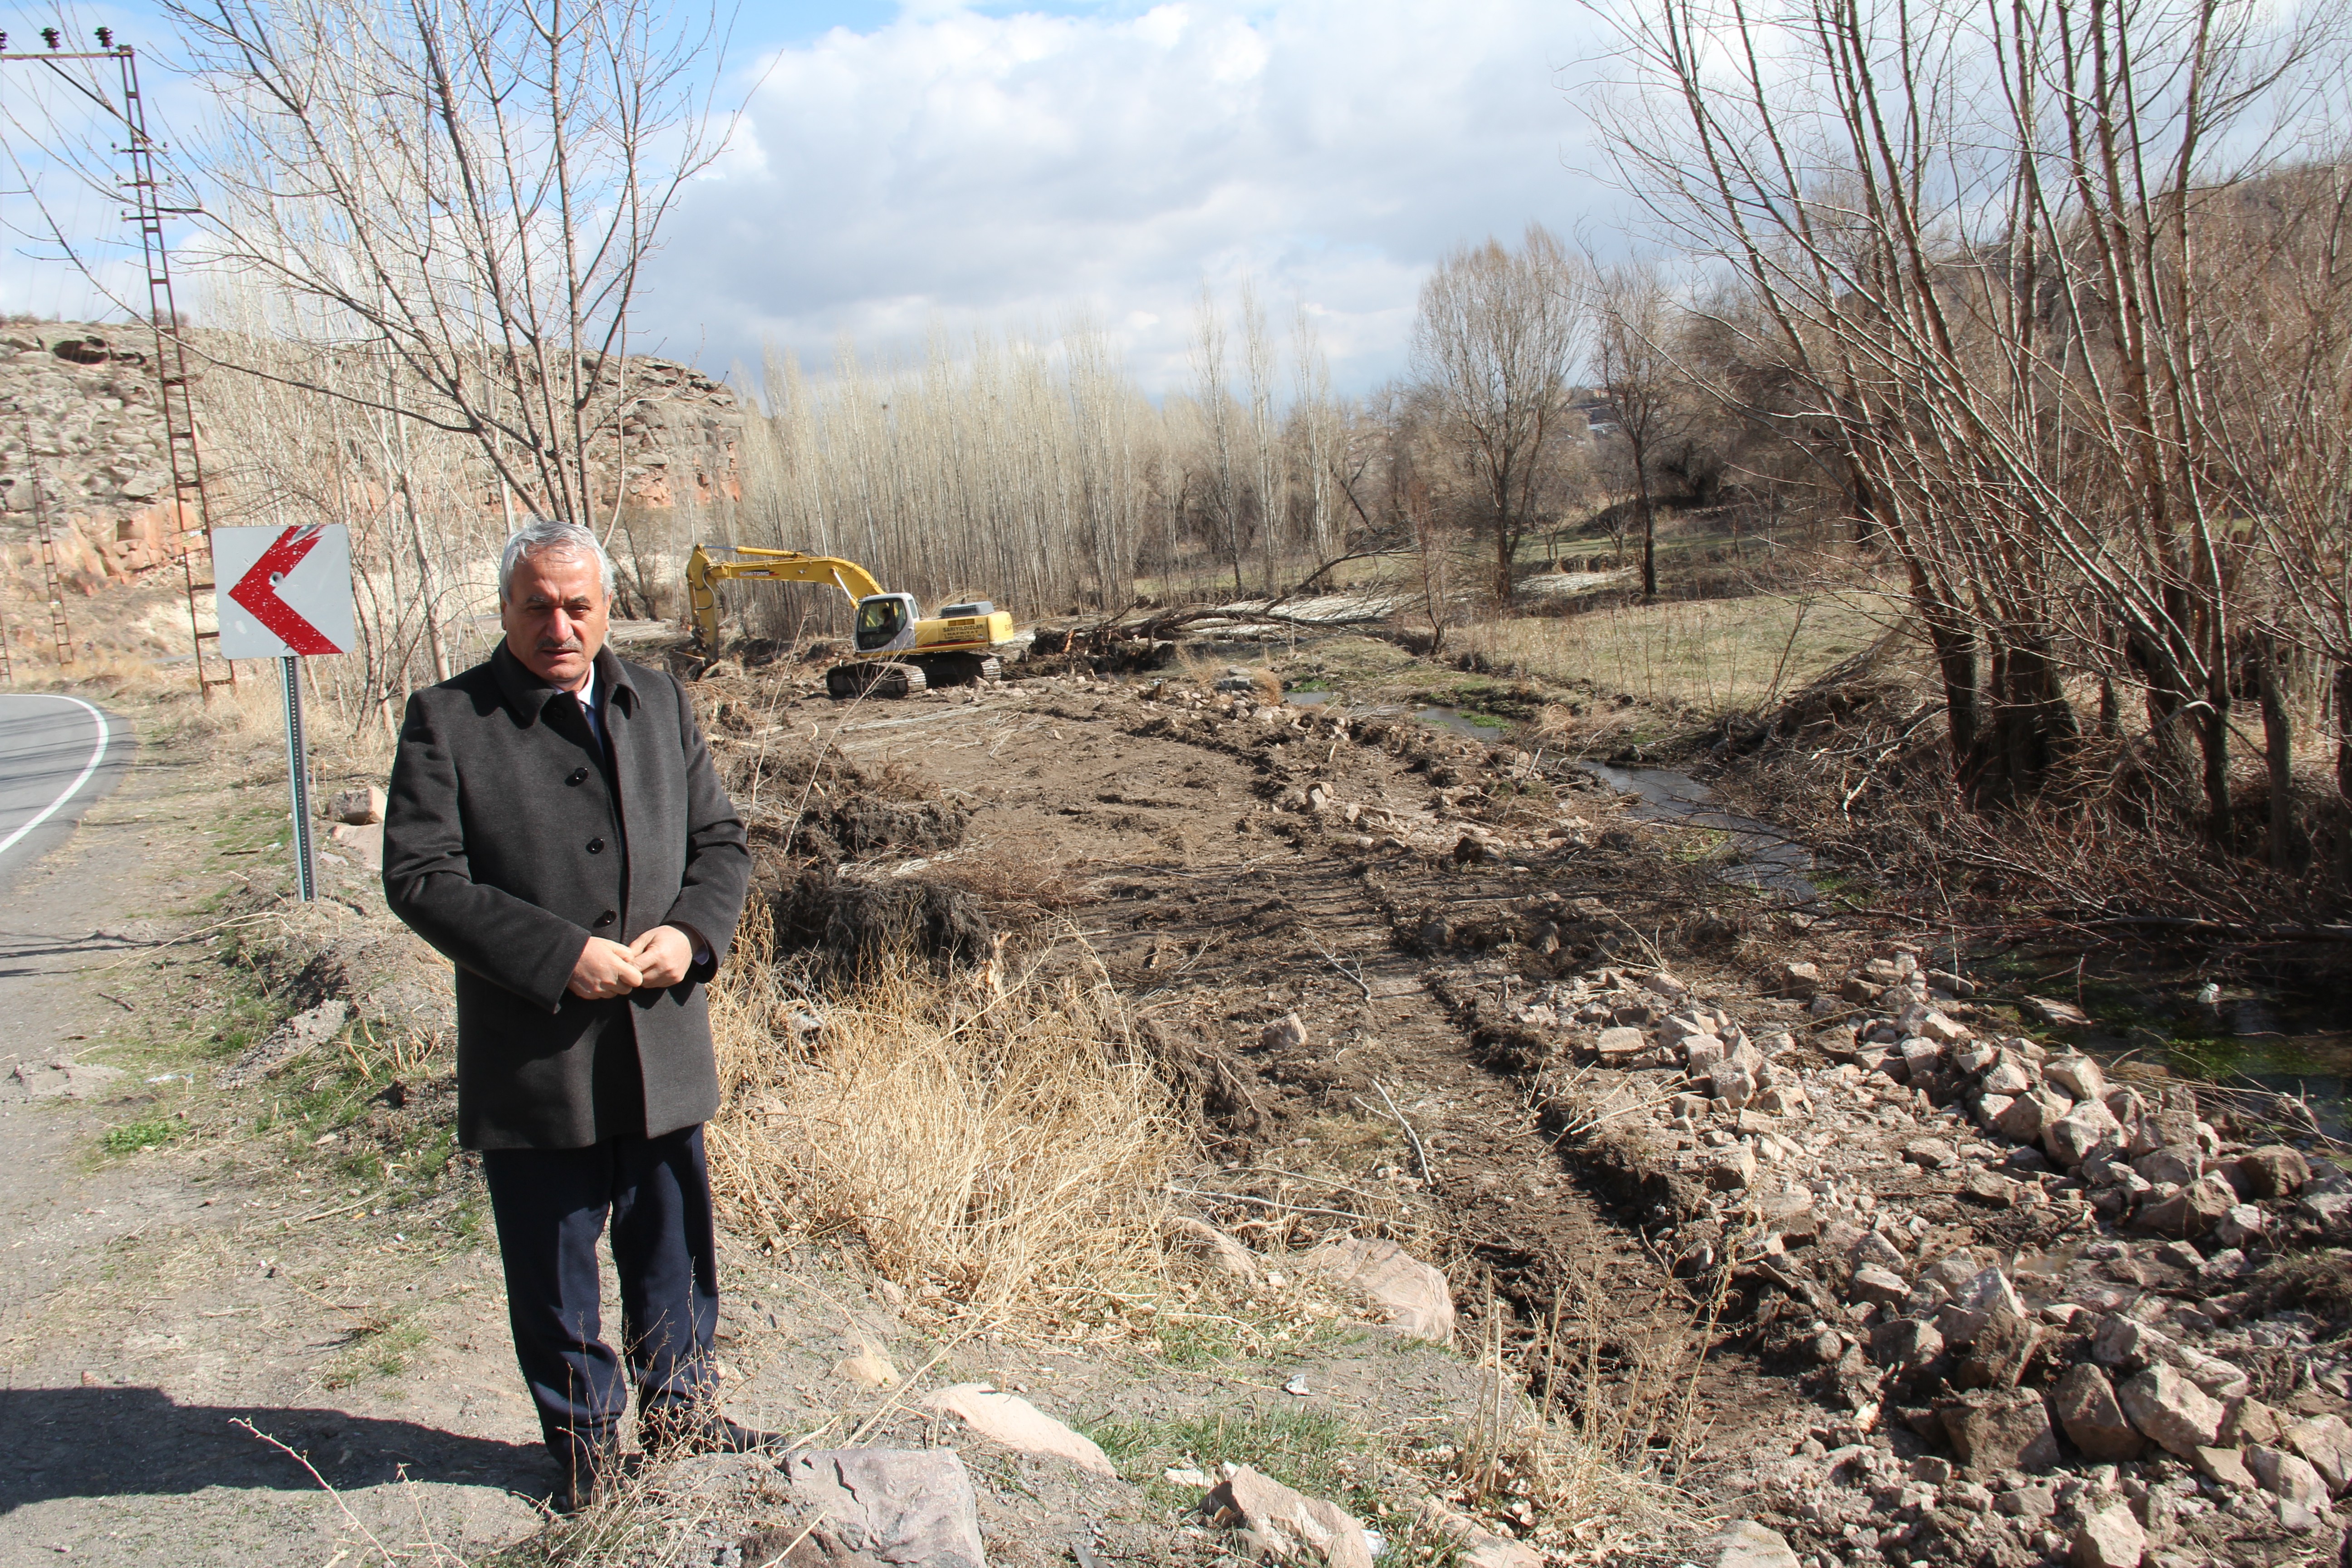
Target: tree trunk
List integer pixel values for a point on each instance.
(1954, 643)
(1649, 522)
(1503, 558)
(2214, 737)
(2031, 727)
(2343, 730)
(2288, 848)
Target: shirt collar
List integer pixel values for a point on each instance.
(528, 695)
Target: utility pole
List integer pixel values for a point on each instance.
(190, 533)
(52, 579)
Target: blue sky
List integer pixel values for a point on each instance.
(906, 167)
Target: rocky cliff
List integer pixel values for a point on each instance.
(78, 400)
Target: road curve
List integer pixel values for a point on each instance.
(59, 755)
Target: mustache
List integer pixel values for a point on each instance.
(561, 645)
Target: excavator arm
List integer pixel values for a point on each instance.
(703, 572)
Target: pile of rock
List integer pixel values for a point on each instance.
(2103, 1385)
(2152, 1164)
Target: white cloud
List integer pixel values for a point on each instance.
(967, 168)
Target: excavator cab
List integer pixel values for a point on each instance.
(886, 623)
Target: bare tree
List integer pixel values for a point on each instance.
(1972, 237)
(1499, 332)
(1637, 374)
(1316, 430)
(1266, 461)
(475, 187)
(1220, 487)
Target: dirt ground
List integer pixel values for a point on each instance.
(230, 1333)
(1182, 847)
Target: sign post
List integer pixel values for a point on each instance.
(297, 769)
(286, 594)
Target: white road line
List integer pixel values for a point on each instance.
(97, 757)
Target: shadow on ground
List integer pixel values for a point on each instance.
(135, 1442)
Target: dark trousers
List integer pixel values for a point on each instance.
(551, 1206)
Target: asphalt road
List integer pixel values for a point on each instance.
(58, 755)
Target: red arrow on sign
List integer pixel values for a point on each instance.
(258, 592)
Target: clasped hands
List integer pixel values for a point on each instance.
(654, 960)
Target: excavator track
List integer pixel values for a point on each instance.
(875, 678)
(960, 668)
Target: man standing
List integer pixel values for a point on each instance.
(556, 830)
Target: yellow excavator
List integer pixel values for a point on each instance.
(899, 651)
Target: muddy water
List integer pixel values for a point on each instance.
(2287, 1039)
(1764, 856)
(2303, 1050)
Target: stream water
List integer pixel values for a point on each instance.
(2287, 1035)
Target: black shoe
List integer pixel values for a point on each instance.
(577, 1493)
(589, 1474)
(704, 1431)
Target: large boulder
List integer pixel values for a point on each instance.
(1800, 981)
(1412, 1296)
(1744, 1544)
(2111, 1538)
(891, 1505)
(1905, 1344)
(1475, 1546)
(2005, 1430)
(2029, 1113)
(1285, 1525)
(1880, 1286)
(2192, 1211)
(2287, 1476)
(1009, 1419)
(2326, 1442)
(1999, 1352)
(2168, 1407)
(2077, 1075)
(1733, 1168)
(2272, 1171)
(2070, 1139)
(2090, 1417)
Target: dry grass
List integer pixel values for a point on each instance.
(1017, 888)
(1718, 656)
(991, 1142)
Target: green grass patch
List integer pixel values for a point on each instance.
(378, 1347)
(1313, 1450)
(1716, 656)
(1195, 1340)
(152, 1132)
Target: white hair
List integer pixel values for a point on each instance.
(548, 537)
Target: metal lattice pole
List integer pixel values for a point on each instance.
(191, 516)
(191, 519)
(52, 579)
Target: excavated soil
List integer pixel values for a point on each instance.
(1360, 878)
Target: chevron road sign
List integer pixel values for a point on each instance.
(286, 594)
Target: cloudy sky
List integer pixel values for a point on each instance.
(1007, 165)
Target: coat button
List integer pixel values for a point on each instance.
(595, 847)
(577, 775)
(607, 918)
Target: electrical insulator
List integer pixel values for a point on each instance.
(106, 38)
(49, 36)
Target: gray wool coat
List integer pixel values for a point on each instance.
(508, 840)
